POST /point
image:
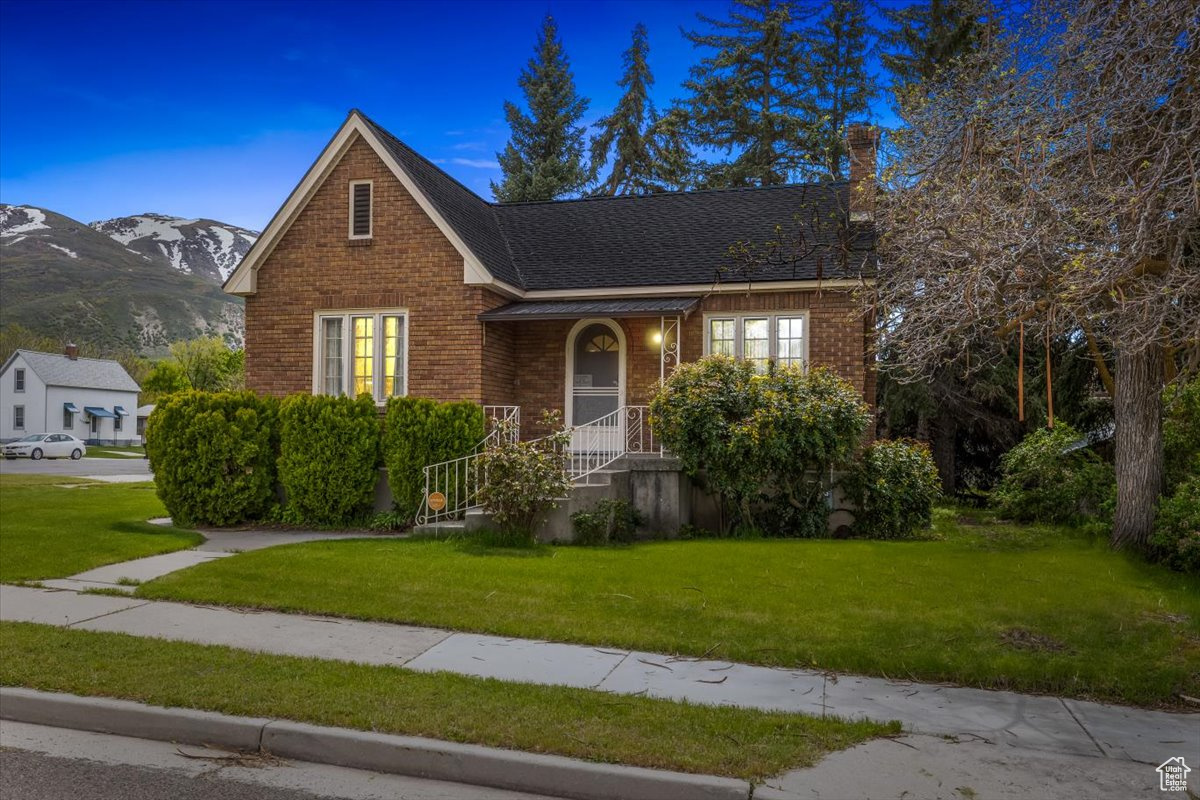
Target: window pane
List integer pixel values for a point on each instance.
(790, 341)
(331, 360)
(756, 341)
(18, 416)
(393, 356)
(721, 337)
(364, 355)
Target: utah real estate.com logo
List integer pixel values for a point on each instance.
(1172, 775)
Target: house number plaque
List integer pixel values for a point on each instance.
(436, 501)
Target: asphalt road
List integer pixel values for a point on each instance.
(44, 763)
(78, 469)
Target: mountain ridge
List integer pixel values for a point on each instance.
(137, 282)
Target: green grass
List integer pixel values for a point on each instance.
(103, 451)
(1000, 606)
(546, 719)
(50, 532)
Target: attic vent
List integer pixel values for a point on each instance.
(360, 209)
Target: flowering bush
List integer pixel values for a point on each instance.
(893, 487)
(523, 479)
(775, 434)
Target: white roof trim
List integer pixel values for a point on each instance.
(244, 280)
(693, 288)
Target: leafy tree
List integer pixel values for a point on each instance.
(747, 97)
(165, 377)
(544, 157)
(1057, 192)
(836, 74)
(645, 149)
(208, 364)
(922, 40)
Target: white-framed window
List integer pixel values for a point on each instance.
(360, 209)
(18, 380)
(361, 352)
(758, 337)
(18, 418)
(68, 419)
(117, 422)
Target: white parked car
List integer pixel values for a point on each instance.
(48, 445)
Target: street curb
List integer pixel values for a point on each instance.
(402, 755)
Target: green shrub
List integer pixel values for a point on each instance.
(1181, 433)
(524, 478)
(328, 457)
(213, 456)
(1176, 538)
(892, 486)
(406, 449)
(774, 435)
(419, 432)
(610, 521)
(1044, 480)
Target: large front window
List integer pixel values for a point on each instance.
(758, 338)
(362, 353)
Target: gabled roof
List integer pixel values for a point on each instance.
(594, 244)
(82, 373)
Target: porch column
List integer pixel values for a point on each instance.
(668, 346)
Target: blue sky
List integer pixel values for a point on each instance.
(215, 109)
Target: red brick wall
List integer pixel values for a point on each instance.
(838, 338)
(407, 264)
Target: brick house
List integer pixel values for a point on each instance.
(382, 274)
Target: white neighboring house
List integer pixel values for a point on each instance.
(91, 398)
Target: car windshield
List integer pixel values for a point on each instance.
(33, 437)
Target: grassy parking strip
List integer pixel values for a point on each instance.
(989, 604)
(51, 532)
(579, 723)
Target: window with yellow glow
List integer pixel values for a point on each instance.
(362, 353)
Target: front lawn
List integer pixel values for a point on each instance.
(580, 723)
(50, 532)
(989, 605)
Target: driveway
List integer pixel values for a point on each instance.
(83, 468)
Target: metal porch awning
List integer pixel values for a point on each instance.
(70, 408)
(579, 309)
(121, 411)
(96, 411)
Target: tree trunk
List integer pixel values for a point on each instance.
(1137, 410)
(943, 445)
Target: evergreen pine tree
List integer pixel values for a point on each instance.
(648, 153)
(746, 98)
(923, 39)
(836, 73)
(544, 157)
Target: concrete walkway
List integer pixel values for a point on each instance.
(125, 576)
(1045, 725)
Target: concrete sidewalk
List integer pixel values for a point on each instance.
(1032, 723)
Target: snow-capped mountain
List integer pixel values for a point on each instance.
(67, 279)
(201, 247)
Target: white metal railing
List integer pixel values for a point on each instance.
(455, 483)
(590, 448)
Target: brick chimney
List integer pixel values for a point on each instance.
(72, 352)
(862, 140)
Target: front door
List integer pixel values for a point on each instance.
(594, 386)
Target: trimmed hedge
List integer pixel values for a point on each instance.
(419, 432)
(328, 457)
(213, 456)
(893, 487)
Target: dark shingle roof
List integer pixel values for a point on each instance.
(653, 240)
